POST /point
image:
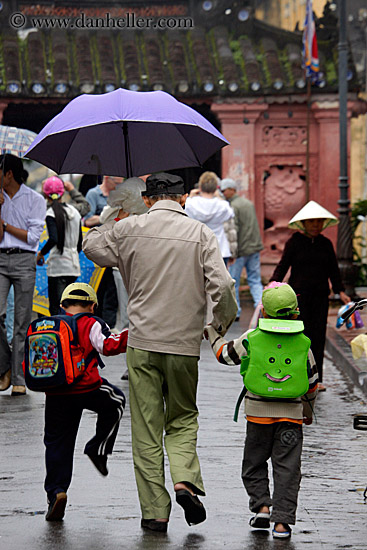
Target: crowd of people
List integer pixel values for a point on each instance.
(173, 265)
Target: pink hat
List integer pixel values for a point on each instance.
(53, 187)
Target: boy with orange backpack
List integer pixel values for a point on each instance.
(61, 358)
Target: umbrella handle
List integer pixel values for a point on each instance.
(127, 149)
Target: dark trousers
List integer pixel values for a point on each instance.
(62, 418)
(314, 308)
(107, 298)
(56, 286)
(282, 443)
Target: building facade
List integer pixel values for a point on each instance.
(241, 73)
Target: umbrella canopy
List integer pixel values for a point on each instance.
(15, 141)
(125, 133)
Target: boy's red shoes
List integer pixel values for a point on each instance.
(56, 507)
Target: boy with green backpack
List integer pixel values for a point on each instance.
(280, 387)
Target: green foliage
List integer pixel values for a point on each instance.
(216, 58)
(287, 66)
(192, 58)
(238, 59)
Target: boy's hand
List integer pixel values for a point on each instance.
(307, 420)
(1, 199)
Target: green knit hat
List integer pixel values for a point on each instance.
(280, 301)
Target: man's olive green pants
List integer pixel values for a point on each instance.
(163, 402)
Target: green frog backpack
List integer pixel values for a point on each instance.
(275, 366)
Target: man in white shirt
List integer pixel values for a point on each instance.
(203, 205)
(22, 220)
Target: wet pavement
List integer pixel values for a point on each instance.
(103, 513)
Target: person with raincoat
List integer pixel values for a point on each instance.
(64, 242)
(313, 263)
(126, 199)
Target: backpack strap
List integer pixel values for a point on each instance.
(238, 404)
(72, 321)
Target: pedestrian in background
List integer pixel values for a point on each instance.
(312, 261)
(97, 199)
(107, 291)
(64, 242)
(23, 214)
(203, 205)
(88, 182)
(77, 199)
(249, 243)
(170, 265)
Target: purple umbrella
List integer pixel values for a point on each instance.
(125, 133)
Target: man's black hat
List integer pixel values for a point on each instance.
(164, 184)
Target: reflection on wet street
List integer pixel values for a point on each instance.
(103, 513)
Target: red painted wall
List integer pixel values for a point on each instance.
(267, 159)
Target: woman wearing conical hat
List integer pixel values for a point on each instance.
(313, 263)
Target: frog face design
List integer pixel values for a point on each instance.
(277, 366)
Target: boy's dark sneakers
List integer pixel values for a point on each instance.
(154, 525)
(100, 462)
(194, 509)
(56, 507)
(260, 521)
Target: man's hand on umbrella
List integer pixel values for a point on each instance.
(1, 198)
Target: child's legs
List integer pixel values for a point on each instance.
(258, 449)
(286, 461)
(109, 403)
(62, 418)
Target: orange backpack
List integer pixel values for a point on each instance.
(52, 354)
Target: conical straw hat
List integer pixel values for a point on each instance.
(310, 211)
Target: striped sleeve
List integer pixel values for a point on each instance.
(227, 353)
(105, 342)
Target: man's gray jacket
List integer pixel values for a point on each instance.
(170, 264)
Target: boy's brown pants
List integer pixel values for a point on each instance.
(282, 442)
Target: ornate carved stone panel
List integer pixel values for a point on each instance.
(284, 195)
(279, 138)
